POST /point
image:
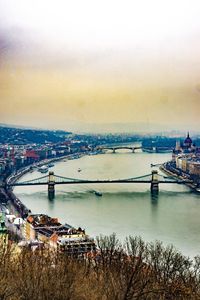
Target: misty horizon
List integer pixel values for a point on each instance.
(119, 128)
(79, 64)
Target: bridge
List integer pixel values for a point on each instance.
(133, 148)
(113, 149)
(154, 178)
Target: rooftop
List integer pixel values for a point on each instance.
(63, 230)
(41, 220)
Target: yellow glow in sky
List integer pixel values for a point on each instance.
(67, 64)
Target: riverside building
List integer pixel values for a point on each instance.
(186, 160)
(57, 236)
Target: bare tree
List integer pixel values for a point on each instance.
(135, 270)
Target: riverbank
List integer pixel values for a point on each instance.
(15, 205)
(191, 185)
(21, 172)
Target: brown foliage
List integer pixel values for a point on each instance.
(136, 270)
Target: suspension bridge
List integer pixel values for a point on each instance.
(154, 179)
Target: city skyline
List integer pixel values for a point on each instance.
(80, 66)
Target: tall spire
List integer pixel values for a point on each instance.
(188, 141)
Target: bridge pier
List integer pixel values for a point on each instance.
(113, 150)
(154, 182)
(133, 150)
(51, 186)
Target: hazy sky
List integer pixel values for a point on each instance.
(72, 64)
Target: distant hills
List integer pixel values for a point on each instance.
(23, 127)
(22, 135)
(140, 128)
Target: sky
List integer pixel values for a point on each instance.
(108, 65)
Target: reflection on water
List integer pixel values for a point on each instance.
(154, 198)
(172, 216)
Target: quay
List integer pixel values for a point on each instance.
(6, 190)
(194, 186)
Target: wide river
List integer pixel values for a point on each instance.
(126, 209)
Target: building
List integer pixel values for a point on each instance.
(188, 142)
(76, 245)
(186, 160)
(72, 241)
(57, 236)
(39, 221)
(31, 157)
(194, 168)
(187, 147)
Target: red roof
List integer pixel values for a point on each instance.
(31, 154)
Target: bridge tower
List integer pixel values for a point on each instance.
(51, 186)
(154, 182)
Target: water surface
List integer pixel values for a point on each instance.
(127, 209)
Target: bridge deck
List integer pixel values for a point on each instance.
(95, 182)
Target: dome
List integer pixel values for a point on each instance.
(188, 140)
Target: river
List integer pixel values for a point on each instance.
(126, 209)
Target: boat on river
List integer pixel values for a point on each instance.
(50, 165)
(98, 194)
(43, 169)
